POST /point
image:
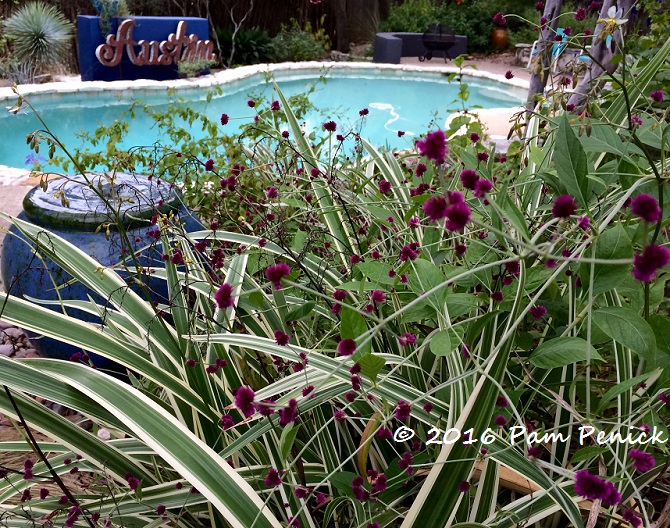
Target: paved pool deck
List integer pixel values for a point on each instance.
(15, 183)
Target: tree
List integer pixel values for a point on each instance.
(603, 48)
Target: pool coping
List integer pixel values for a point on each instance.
(8, 97)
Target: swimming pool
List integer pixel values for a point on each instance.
(397, 100)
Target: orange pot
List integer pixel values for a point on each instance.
(499, 38)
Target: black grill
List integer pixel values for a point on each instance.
(440, 37)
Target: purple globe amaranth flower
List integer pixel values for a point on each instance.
(539, 6)
(227, 421)
(499, 19)
(244, 401)
(458, 216)
(534, 452)
(272, 480)
(403, 410)
(642, 462)
(630, 517)
(281, 338)
(646, 207)
(501, 401)
(580, 14)
(435, 208)
(288, 414)
(593, 487)
(384, 433)
(647, 263)
(346, 347)
(384, 186)
(407, 253)
(564, 206)
(509, 74)
(330, 126)
(224, 119)
(378, 296)
(468, 179)
(474, 137)
(657, 96)
(500, 420)
(209, 165)
(482, 187)
(434, 147)
(276, 273)
(537, 312)
(594, 7)
(224, 296)
(463, 486)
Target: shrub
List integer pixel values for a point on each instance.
(294, 44)
(40, 33)
(252, 45)
(413, 16)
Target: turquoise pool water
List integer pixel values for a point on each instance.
(395, 101)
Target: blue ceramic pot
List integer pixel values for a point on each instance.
(135, 198)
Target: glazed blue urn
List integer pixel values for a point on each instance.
(72, 209)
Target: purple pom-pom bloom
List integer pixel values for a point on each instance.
(564, 206)
(244, 401)
(593, 488)
(642, 461)
(403, 410)
(435, 208)
(537, 312)
(346, 347)
(276, 273)
(499, 19)
(224, 296)
(657, 95)
(434, 147)
(272, 479)
(469, 179)
(647, 263)
(646, 207)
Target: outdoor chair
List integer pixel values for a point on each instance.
(439, 37)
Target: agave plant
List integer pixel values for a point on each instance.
(40, 33)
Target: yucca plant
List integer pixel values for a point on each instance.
(419, 339)
(41, 35)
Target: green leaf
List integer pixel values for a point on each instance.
(376, 272)
(627, 327)
(229, 493)
(446, 341)
(621, 387)
(342, 482)
(302, 311)
(425, 276)
(570, 160)
(288, 435)
(613, 243)
(562, 351)
(588, 452)
(371, 366)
